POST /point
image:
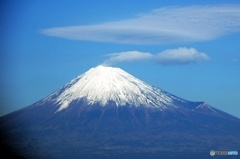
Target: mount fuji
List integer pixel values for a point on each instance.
(108, 113)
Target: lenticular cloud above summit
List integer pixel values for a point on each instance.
(128, 56)
(178, 56)
(160, 26)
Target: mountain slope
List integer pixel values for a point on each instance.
(107, 84)
(108, 113)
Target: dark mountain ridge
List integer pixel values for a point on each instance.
(167, 127)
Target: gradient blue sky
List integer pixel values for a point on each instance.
(188, 48)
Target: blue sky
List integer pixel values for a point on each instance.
(188, 48)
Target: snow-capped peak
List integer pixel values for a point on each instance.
(102, 84)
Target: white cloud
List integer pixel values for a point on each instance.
(180, 56)
(127, 56)
(163, 25)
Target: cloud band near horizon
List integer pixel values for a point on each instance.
(178, 56)
(160, 26)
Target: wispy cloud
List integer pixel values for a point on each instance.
(179, 56)
(163, 25)
(126, 56)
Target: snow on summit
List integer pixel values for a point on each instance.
(102, 84)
